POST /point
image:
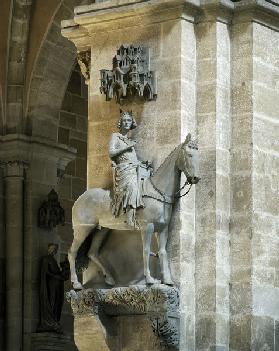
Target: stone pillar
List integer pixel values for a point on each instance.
(213, 192)
(2, 261)
(14, 176)
(241, 187)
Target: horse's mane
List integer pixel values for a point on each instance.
(167, 160)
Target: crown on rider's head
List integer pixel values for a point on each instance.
(127, 113)
(193, 144)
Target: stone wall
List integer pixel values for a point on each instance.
(72, 131)
(218, 68)
(265, 185)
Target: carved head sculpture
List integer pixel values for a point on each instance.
(126, 115)
(52, 249)
(187, 160)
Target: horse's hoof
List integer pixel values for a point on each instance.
(109, 280)
(151, 281)
(77, 286)
(168, 282)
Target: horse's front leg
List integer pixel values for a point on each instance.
(97, 241)
(163, 256)
(80, 234)
(146, 234)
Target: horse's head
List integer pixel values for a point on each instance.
(187, 160)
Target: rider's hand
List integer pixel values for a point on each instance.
(132, 144)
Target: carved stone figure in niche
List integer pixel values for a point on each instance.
(128, 171)
(51, 213)
(51, 291)
(130, 76)
(84, 61)
(92, 210)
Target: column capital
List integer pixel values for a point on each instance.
(216, 11)
(265, 12)
(14, 168)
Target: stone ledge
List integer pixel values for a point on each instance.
(16, 147)
(100, 16)
(49, 341)
(103, 16)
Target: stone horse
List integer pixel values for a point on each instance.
(92, 210)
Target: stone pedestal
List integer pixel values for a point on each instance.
(50, 342)
(100, 313)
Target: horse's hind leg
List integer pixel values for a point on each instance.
(93, 253)
(80, 234)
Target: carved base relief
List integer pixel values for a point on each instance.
(159, 303)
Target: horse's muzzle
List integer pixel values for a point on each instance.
(193, 180)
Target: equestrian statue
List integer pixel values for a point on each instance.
(140, 200)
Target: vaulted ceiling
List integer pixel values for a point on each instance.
(35, 62)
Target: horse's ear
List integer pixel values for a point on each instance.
(188, 138)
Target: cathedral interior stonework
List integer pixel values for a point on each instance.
(139, 186)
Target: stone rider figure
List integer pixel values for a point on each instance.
(128, 171)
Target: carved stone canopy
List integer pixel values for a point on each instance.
(160, 303)
(130, 76)
(51, 213)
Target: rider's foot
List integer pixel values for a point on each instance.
(77, 286)
(131, 218)
(109, 280)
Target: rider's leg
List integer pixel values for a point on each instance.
(131, 216)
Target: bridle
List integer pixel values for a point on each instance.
(177, 194)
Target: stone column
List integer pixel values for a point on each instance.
(14, 176)
(213, 192)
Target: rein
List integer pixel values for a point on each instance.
(165, 195)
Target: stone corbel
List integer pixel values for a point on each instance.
(160, 304)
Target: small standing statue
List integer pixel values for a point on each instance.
(51, 292)
(128, 171)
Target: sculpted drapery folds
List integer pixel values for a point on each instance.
(128, 171)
